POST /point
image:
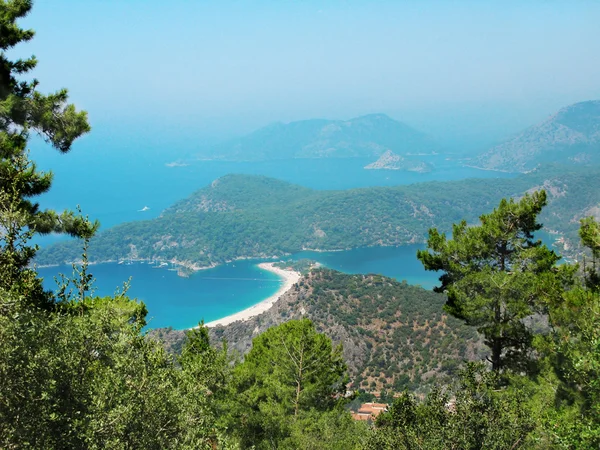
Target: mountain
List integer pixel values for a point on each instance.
(395, 336)
(572, 136)
(366, 136)
(241, 216)
(391, 161)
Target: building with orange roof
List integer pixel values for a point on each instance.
(369, 411)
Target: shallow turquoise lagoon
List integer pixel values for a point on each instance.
(211, 294)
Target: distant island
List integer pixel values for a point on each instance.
(243, 216)
(367, 136)
(391, 161)
(177, 164)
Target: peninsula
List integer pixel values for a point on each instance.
(245, 216)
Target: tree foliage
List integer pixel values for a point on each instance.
(291, 370)
(24, 110)
(496, 275)
(474, 415)
(574, 352)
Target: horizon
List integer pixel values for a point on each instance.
(470, 74)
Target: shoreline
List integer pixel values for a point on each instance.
(289, 277)
(194, 267)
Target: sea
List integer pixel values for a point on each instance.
(210, 294)
(116, 185)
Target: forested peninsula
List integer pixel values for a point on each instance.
(395, 336)
(244, 216)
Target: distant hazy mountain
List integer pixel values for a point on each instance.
(366, 136)
(572, 135)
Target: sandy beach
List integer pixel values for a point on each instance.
(290, 278)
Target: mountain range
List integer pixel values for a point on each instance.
(571, 136)
(367, 136)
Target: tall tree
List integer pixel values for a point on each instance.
(24, 110)
(590, 237)
(290, 370)
(496, 275)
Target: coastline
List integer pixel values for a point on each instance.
(194, 267)
(289, 277)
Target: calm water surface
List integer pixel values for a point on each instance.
(182, 302)
(124, 185)
(215, 293)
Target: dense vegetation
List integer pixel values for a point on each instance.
(249, 216)
(78, 372)
(395, 336)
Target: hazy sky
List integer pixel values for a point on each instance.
(458, 69)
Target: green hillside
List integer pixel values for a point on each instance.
(253, 216)
(395, 336)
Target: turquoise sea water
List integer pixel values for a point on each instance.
(215, 293)
(115, 184)
(182, 302)
(115, 188)
(397, 262)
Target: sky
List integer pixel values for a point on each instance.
(191, 72)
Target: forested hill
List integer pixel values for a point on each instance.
(252, 216)
(365, 136)
(395, 336)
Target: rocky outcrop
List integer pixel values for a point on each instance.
(391, 161)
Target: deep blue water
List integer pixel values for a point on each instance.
(215, 293)
(397, 262)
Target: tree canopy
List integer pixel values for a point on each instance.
(291, 370)
(496, 275)
(23, 110)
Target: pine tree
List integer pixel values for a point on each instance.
(496, 275)
(292, 370)
(23, 111)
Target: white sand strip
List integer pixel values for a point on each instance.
(290, 278)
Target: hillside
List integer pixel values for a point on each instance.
(395, 336)
(571, 136)
(366, 136)
(248, 216)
